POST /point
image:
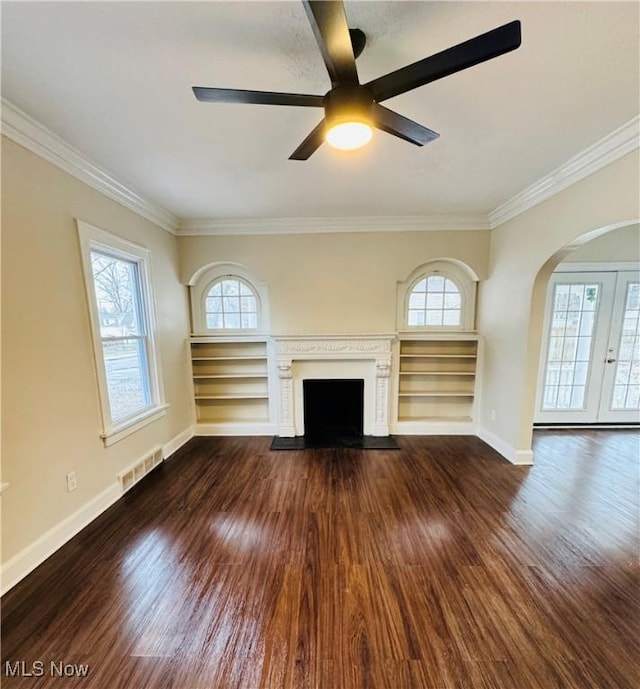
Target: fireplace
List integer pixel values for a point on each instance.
(365, 359)
(333, 412)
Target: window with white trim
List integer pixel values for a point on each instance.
(117, 280)
(439, 295)
(434, 301)
(231, 304)
(227, 300)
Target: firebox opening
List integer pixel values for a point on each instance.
(333, 412)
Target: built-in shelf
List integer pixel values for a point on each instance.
(229, 358)
(222, 376)
(436, 378)
(237, 396)
(437, 356)
(230, 380)
(438, 419)
(438, 393)
(437, 373)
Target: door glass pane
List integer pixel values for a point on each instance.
(570, 343)
(626, 386)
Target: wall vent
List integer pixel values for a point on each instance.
(131, 475)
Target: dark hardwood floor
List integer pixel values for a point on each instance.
(438, 566)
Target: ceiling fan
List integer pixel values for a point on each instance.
(351, 108)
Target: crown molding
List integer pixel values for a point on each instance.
(613, 146)
(245, 226)
(28, 132)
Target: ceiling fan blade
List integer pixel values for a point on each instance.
(329, 24)
(311, 144)
(393, 123)
(212, 95)
(479, 49)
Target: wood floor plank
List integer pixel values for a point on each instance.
(439, 566)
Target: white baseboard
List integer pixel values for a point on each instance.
(524, 457)
(176, 443)
(224, 429)
(15, 569)
(433, 428)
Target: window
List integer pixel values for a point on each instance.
(231, 304)
(122, 319)
(434, 301)
(438, 295)
(227, 300)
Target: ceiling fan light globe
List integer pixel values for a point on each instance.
(348, 136)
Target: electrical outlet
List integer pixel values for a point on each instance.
(492, 414)
(72, 481)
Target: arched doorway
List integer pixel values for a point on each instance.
(597, 286)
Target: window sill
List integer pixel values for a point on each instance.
(117, 433)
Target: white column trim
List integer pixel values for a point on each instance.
(286, 424)
(383, 372)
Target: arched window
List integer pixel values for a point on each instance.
(231, 304)
(226, 299)
(434, 301)
(438, 295)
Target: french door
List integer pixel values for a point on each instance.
(590, 365)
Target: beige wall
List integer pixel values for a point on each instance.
(335, 283)
(618, 245)
(511, 300)
(51, 416)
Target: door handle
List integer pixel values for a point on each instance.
(610, 361)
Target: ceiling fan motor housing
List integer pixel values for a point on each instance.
(348, 104)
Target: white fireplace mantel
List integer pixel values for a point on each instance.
(333, 356)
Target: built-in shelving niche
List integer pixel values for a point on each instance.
(436, 381)
(230, 381)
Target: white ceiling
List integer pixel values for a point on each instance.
(114, 80)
